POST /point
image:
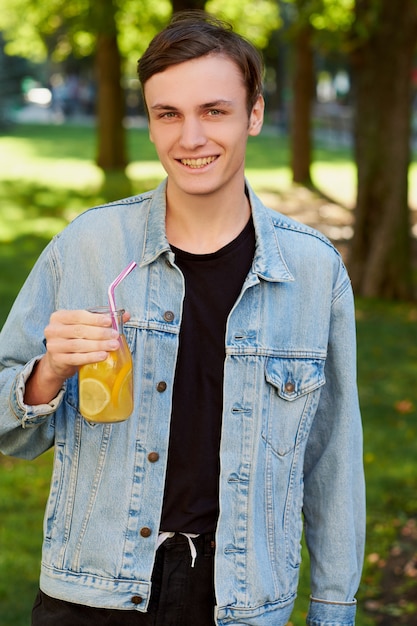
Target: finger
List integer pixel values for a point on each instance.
(80, 317)
(64, 345)
(74, 360)
(70, 327)
(64, 366)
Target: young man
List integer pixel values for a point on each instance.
(241, 327)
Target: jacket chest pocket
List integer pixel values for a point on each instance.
(293, 395)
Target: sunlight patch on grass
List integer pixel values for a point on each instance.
(277, 180)
(16, 220)
(337, 180)
(145, 169)
(71, 173)
(412, 186)
(44, 226)
(14, 149)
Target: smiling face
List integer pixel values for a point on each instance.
(198, 121)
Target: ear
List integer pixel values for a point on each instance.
(256, 117)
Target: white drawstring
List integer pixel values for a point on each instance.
(190, 536)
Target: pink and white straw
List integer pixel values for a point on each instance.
(117, 281)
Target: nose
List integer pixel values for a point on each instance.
(192, 133)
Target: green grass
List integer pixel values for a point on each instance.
(23, 490)
(47, 176)
(387, 370)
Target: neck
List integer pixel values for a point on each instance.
(204, 224)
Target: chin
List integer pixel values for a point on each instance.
(198, 188)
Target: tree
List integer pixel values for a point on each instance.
(385, 39)
(379, 38)
(110, 104)
(313, 25)
(12, 74)
(303, 93)
(254, 19)
(186, 5)
(110, 31)
(115, 32)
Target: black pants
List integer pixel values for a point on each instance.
(181, 595)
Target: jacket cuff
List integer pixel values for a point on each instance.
(326, 613)
(31, 415)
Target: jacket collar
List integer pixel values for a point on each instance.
(269, 263)
(155, 242)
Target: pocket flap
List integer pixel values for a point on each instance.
(295, 377)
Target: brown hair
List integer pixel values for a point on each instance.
(193, 34)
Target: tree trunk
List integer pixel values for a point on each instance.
(111, 154)
(187, 5)
(380, 254)
(303, 89)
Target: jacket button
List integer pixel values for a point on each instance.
(290, 387)
(169, 316)
(136, 599)
(161, 386)
(145, 532)
(153, 457)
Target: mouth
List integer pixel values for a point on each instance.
(198, 163)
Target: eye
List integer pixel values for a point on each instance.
(215, 112)
(166, 115)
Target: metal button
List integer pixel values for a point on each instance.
(169, 316)
(153, 457)
(161, 386)
(145, 532)
(136, 599)
(289, 387)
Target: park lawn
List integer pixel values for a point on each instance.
(47, 176)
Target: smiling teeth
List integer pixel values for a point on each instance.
(198, 162)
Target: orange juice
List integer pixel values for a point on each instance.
(106, 388)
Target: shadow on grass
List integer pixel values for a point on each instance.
(115, 185)
(31, 214)
(16, 260)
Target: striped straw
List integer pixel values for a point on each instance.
(117, 281)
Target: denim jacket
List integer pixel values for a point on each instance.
(291, 445)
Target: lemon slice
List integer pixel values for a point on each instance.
(94, 397)
(120, 382)
(125, 396)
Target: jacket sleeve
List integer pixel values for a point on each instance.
(27, 431)
(334, 497)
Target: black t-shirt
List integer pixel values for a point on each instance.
(212, 285)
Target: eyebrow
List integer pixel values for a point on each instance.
(205, 105)
(163, 107)
(216, 103)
